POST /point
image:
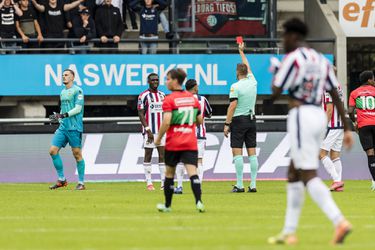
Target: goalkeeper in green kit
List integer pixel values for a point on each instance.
(70, 130)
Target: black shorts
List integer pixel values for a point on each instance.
(172, 158)
(243, 130)
(367, 137)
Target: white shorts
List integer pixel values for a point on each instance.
(201, 148)
(152, 145)
(306, 129)
(333, 140)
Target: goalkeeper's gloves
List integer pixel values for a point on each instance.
(55, 118)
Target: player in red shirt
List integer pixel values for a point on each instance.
(180, 118)
(362, 100)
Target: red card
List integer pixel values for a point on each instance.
(239, 39)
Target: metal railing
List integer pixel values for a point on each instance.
(130, 120)
(175, 45)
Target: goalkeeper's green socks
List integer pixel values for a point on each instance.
(57, 162)
(238, 163)
(254, 170)
(81, 171)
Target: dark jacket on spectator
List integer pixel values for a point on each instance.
(149, 17)
(79, 31)
(108, 21)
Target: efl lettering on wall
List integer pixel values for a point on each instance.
(357, 17)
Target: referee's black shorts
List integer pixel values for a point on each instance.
(367, 137)
(243, 130)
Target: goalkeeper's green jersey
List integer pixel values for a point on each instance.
(69, 99)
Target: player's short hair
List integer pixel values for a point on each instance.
(297, 26)
(242, 69)
(365, 76)
(191, 83)
(152, 74)
(71, 71)
(178, 74)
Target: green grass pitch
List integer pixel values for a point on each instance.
(123, 216)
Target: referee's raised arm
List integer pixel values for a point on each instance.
(241, 48)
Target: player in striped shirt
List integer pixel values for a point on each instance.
(332, 143)
(150, 114)
(305, 74)
(206, 111)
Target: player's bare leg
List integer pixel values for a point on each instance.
(58, 164)
(168, 190)
(161, 166)
(148, 168)
(77, 153)
(195, 186)
(371, 164)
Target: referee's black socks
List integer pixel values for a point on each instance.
(196, 187)
(371, 165)
(168, 191)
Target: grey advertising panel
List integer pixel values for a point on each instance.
(119, 157)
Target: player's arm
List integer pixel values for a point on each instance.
(167, 117)
(72, 5)
(276, 93)
(329, 106)
(351, 109)
(208, 109)
(284, 74)
(78, 104)
(142, 118)
(37, 6)
(348, 138)
(329, 111)
(241, 48)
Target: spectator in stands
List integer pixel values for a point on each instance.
(84, 28)
(55, 20)
(126, 7)
(115, 3)
(149, 18)
(28, 26)
(164, 20)
(8, 12)
(108, 24)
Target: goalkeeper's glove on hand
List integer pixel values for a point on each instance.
(55, 118)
